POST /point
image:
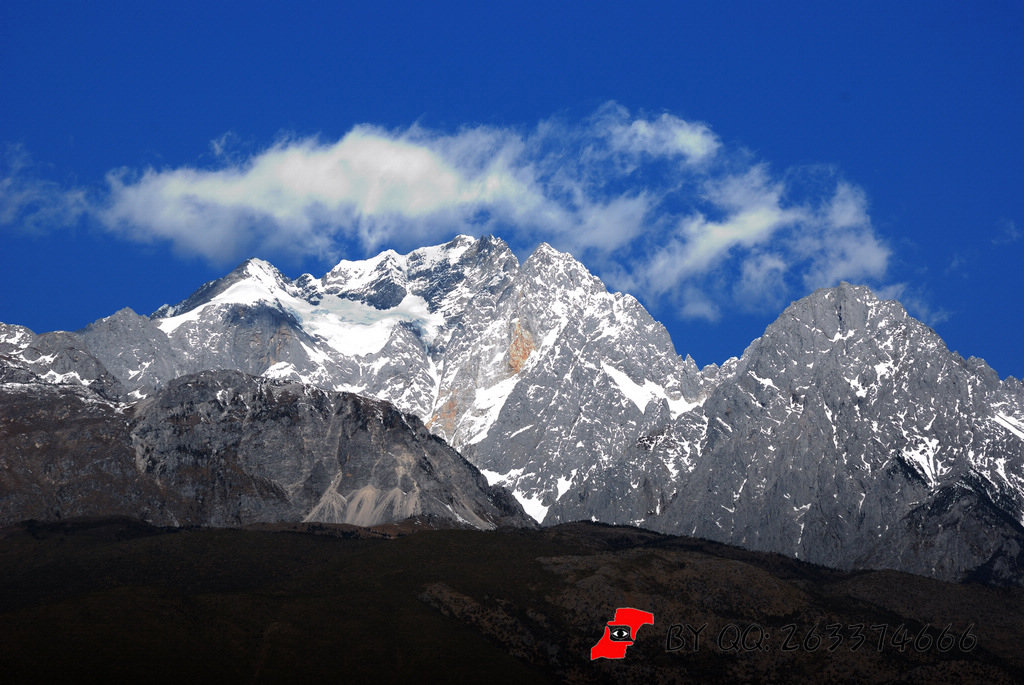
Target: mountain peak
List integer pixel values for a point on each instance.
(262, 271)
(840, 310)
(353, 270)
(562, 271)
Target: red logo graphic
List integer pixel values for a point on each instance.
(620, 633)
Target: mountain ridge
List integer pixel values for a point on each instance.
(835, 437)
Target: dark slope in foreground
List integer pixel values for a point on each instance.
(116, 600)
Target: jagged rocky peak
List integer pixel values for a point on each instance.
(385, 281)
(838, 313)
(876, 346)
(124, 322)
(840, 331)
(14, 339)
(348, 274)
(560, 271)
(253, 271)
(378, 281)
(460, 269)
(61, 358)
(263, 271)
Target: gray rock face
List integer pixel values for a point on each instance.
(61, 358)
(249, 449)
(223, 448)
(133, 349)
(65, 451)
(14, 339)
(846, 435)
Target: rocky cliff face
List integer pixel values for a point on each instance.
(847, 434)
(226, 449)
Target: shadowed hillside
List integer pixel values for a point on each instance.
(118, 600)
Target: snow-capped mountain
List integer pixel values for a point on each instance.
(847, 434)
(490, 353)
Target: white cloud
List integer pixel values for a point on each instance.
(301, 193)
(609, 225)
(840, 244)
(754, 212)
(818, 242)
(695, 304)
(665, 136)
(219, 145)
(848, 208)
(762, 282)
(657, 205)
(854, 256)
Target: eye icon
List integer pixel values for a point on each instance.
(619, 633)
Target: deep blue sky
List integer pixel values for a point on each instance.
(916, 107)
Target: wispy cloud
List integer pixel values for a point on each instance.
(664, 136)
(1007, 232)
(32, 203)
(751, 213)
(655, 204)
